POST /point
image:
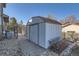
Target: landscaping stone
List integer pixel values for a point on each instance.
(68, 50)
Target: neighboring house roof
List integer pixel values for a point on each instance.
(48, 20)
(70, 24)
(65, 25)
(3, 4)
(4, 15)
(6, 18)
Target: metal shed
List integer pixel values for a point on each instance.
(43, 31)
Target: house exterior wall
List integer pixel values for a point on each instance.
(1, 12)
(2, 5)
(0, 30)
(72, 27)
(53, 34)
(5, 26)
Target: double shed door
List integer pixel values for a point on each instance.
(34, 33)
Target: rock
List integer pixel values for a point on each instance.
(49, 53)
(68, 50)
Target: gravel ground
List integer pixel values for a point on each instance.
(22, 47)
(9, 48)
(30, 49)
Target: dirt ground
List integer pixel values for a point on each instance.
(22, 47)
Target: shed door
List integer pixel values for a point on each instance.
(34, 33)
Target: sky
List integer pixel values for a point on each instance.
(24, 11)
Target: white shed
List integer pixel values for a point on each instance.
(43, 31)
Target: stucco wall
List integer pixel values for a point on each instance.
(72, 27)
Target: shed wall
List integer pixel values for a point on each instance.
(42, 34)
(53, 33)
(36, 34)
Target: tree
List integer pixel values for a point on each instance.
(20, 26)
(12, 23)
(51, 16)
(21, 22)
(69, 20)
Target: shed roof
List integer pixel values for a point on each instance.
(48, 20)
